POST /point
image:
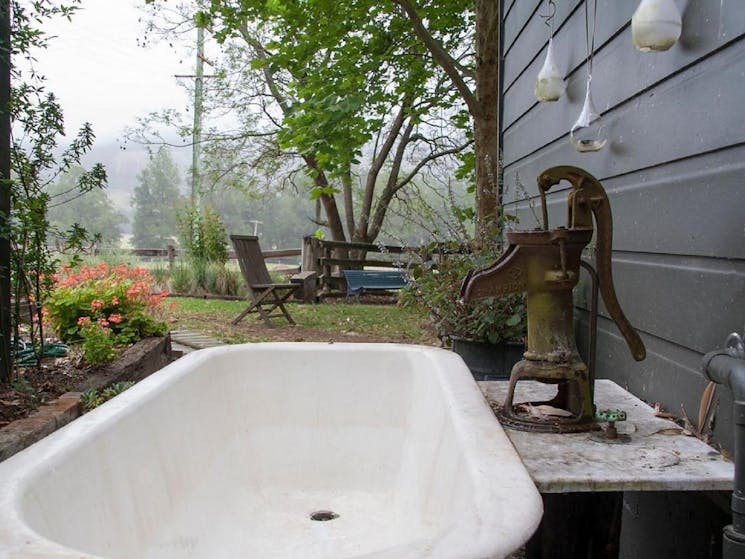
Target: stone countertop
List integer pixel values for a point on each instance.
(659, 456)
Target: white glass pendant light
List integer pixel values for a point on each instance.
(656, 25)
(549, 85)
(588, 133)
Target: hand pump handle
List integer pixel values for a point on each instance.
(587, 198)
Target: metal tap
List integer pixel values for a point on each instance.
(727, 366)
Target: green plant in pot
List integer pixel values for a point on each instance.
(488, 334)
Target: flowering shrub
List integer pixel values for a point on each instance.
(115, 302)
(98, 343)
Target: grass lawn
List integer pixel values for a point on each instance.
(328, 321)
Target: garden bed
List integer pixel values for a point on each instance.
(47, 398)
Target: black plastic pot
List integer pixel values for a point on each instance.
(488, 361)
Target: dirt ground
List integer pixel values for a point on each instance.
(255, 331)
(34, 386)
(251, 329)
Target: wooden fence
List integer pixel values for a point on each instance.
(328, 258)
(171, 253)
(324, 260)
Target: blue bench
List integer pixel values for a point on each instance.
(359, 281)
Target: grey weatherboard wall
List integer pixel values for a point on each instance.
(674, 170)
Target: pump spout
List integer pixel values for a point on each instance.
(504, 276)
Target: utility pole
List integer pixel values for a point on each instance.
(196, 193)
(5, 338)
(196, 134)
(256, 225)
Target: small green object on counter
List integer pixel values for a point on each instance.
(610, 415)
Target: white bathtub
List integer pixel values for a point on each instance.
(227, 452)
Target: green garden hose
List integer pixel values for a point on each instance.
(28, 355)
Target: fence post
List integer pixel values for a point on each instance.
(171, 257)
(310, 253)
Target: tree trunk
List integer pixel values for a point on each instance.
(486, 121)
(6, 365)
(333, 218)
(483, 104)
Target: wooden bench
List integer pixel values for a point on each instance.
(359, 281)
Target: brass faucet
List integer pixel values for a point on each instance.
(546, 264)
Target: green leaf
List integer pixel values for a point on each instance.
(514, 320)
(202, 19)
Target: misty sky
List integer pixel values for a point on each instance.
(101, 75)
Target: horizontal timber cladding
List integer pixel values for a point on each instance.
(669, 296)
(670, 375)
(682, 199)
(674, 170)
(613, 52)
(516, 17)
(690, 113)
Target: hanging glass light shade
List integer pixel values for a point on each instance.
(588, 132)
(549, 85)
(656, 25)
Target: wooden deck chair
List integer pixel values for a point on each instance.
(265, 296)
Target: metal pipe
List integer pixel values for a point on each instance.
(592, 351)
(720, 367)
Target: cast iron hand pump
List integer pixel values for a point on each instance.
(546, 264)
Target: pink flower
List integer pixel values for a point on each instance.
(115, 318)
(84, 320)
(97, 304)
(103, 322)
(114, 301)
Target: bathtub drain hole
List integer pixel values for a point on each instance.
(323, 515)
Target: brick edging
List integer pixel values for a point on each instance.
(137, 362)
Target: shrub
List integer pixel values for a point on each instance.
(98, 343)
(93, 398)
(199, 268)
(493, 319)
(160, 274)
(181, 279)
(116, 298)
(203, 235)
(199, 276)
(222, 281)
